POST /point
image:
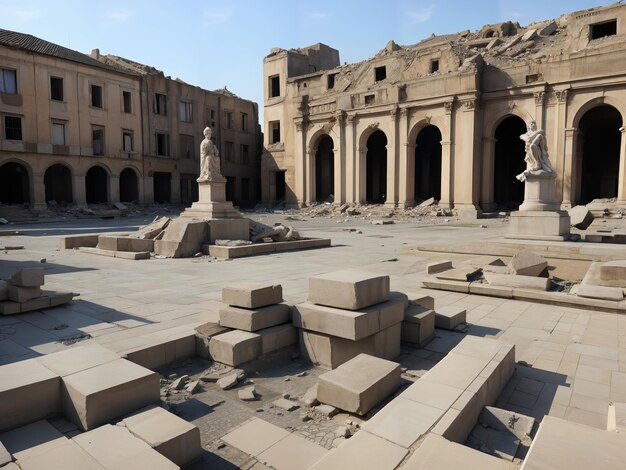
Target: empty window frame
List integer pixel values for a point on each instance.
(274, 86)
(13, 128)
(127, 106)
(186, 146)
(56, 88)
(229, 151)
(96, 96)
(245, 154)
(602, 30)
(330, 81)
(185, 111)
(380, 73)
(244, 122)
(162, 142)
(127, 141)
(59, 133)
(434, 65)
(160, 104)
(274, 132)
(8, 81)
(97, 140)
(228, 119)
(369, 99)
(211, 113)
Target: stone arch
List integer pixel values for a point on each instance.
(508, 161)
(575, 115)
(15, 182)
(57, 181)
(129, 185)
(427, 163)
(376, 167)
(323, 167)
(97, 185)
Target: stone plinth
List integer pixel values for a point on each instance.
(540, 193)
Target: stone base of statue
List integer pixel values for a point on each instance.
(225, 222)
(539, 217)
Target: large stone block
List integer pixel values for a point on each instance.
(171, 436)
(418, 327)
(600, 292)
(182, 238)
(252, 296)
(254, 319)
(527, 263)
(117, 243)
(114, 447)
(515, 280)
(76, 241)
(387, 342)
(277, 337)
(449, 317)
(354, 325)
(228, 229)
(28, 277)
(359, 384)
(330, 352)
(99, 394)
(614, 271)
(538, 225)
(350, 289)
(235, 347)
(29, 391)
(23, 294)
(425, 301)
(77, 359)
(580, 217)
(204, 333)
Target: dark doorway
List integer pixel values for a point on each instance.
(129, 186)
(97, 185)
(162, 187)
(376, 168)
(58, 183)
(281, 189)
(324, 169)
(600, 142)
(428, 164)
(508, 163)
(14, 185)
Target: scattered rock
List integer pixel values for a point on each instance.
(247, 393)
(428, 202)
(193, 387)
(286, 396)
(327, 410)
(527, 263)
(343, 431)
(286, 405)
(232, 242)
(179, 383)
(580, 217)
(310, 397)
(228, 381)
(302, 374)
(304, 416)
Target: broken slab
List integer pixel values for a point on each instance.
(434, 268)
(29, 391)
(580, 217)
(182, 238)
(527, 263)
(359, 384)
(126, 244)
(418, 326)
(459, 274)
(515, 280)
(151, 230)
(247, 393)
(204, 333)
(449, 317)
(28, 277)
(277, 337)
(600, 292)
(255, 436)
(254, 319)
(252, 295)
(171, 436)
(235, 347)
(349, 289)
(286, 404)
(99, 394)
(22, 294)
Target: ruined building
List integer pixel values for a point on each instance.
(101, 129)
(443, 117)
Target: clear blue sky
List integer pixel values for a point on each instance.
(216, 43)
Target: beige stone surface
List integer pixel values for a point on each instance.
(515, 280)
(425, 301)
(600, 292)
(278, 337)
(254, 319)
(28, 277)
(459, 274)
(28, 392)
(204, 333)
(119, 243)
(449, 317)
(527, 263)
(252, 295)
(432, 394)
(235, 347)
(364, 451)
(77, 359)
(418, 326)
(97, 395)
(32, 439)
(387, 342)
(22, 294)
(5, 456)
(75, 241)
(292, 453)
(561, 444)
(434, 268)
(436, 452)
(359, 384)
(613, 271)
(255, 436)
(350, 289)
(68, 455)
(115, 447)
(330, 352)
(171, 436)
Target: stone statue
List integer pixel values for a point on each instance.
(209, 159)
(537, 158)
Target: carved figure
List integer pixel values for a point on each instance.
(537, 158)
(209, 159)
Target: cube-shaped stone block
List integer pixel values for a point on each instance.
(359, 384)
(580, 217)
(204, 333)
(99, 394)
(8, 307)
(28, 277)
(117, 243)
(527, 263)
(252, 296)
(254, 319)
(277, 337)
(29, 391)
(350, 289)
(387, 342)
(349, 324)
(235, 347)
(171, 436)
(418, 327)
(23, 294)
(449, 317)
(330, 352)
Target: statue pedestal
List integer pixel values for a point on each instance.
(225, 222)
(539, 217)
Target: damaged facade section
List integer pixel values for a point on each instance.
(443, 117)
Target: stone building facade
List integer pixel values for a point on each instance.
(443, 117)
(100, 129)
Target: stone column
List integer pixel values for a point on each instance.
(466, 167)
(621, 185)
(309, 185)
(38, 193)
(351, 158)
(79, 190)
(114, 189)
(339, 160)
(391, 198)
(539, 101)
(558, 151)
(489, 147)
(406, 167)
(299, 161)
(361, 175)
(447, 166)
(569, 168)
